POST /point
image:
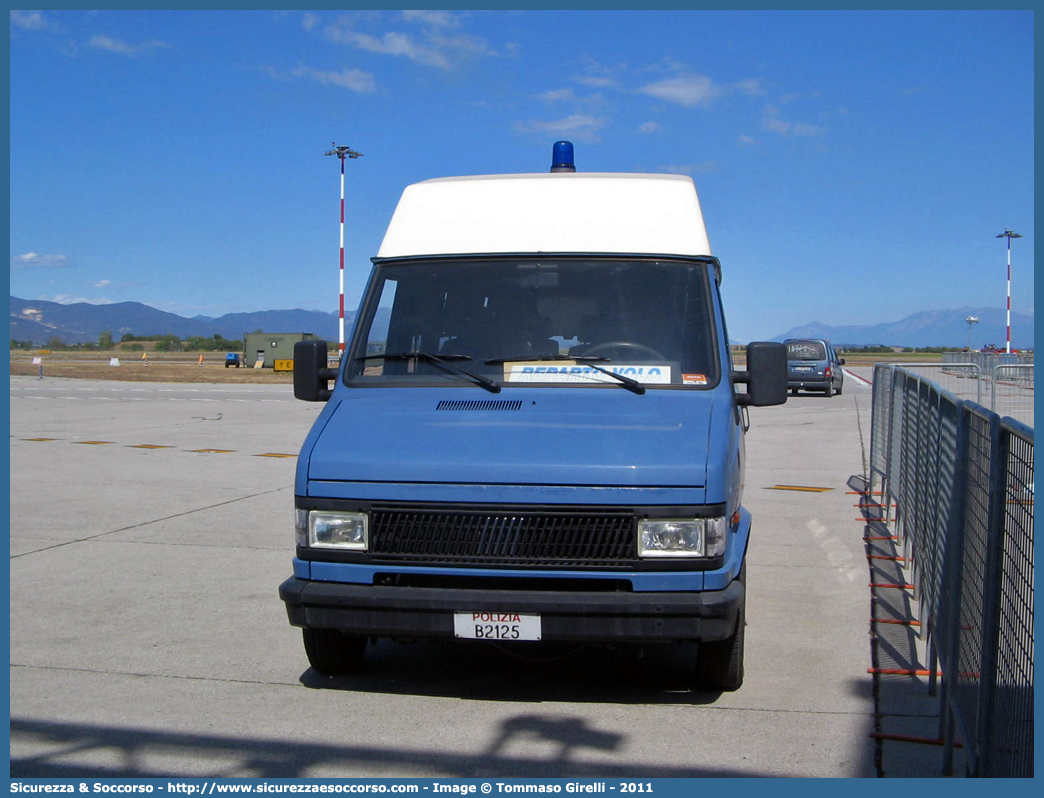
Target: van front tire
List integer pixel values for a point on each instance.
(332, 652)
(719, 663)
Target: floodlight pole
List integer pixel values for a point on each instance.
(971, 320)
(1008, 234)
(342, 152)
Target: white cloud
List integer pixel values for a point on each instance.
(577, 126)
(772, 123)
(650, 127)
(352, 79)
(687, 90)
(596, 75)
(30, 20)
(431, 46)
(438, 19)
(101, 284)
(556, 95)
(65, 299)
(309, 20)
(595, 82)
(749, 86)
(125, 48)
(805, 129)
(33, 260)
(461, 45)
(397, 44)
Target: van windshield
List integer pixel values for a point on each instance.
(560, 321)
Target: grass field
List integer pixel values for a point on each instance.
(185, 366)
(160, 367)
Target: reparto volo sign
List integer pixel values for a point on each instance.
(533, 372)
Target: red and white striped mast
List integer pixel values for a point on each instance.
(1009, 235)
(342, 153)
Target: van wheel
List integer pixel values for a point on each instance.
(333, 652)
(829, 390)
(719, 663)
(840, 388)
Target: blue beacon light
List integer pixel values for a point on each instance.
(562, 157)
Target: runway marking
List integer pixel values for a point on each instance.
(800, 488)
(863, 382)
(277, 455)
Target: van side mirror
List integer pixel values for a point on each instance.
(766, 375)
(311, 374)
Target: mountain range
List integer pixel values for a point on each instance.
(81, 322)
(927, 328)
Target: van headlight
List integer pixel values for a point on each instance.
(684, 537)
(329, 529)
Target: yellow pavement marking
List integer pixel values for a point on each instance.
(800, 488)
(164, 446)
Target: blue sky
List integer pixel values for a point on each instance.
(854, 167)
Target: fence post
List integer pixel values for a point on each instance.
(991, 598)
(949, 623)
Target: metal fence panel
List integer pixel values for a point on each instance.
(1011, 391)
(1010, 741)
(961, 481)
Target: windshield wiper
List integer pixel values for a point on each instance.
(440, 362)
(588, 360)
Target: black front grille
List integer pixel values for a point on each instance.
(549, 538)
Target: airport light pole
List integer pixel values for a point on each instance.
(971, 320)
(1008, 234)
(342, 152)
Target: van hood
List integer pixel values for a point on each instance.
(549, 437)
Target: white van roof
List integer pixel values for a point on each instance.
(567, 212)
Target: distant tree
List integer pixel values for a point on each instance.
(168, 343)
(105, 340)
(55, 343)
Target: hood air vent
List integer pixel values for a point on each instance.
(480, 404)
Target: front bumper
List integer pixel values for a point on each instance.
(387, 611)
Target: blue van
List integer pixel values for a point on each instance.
(536, 432)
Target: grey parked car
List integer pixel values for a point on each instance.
(813, 365)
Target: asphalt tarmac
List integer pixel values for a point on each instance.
(151, 525)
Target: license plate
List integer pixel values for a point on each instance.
(496, 626)
(802, 368)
